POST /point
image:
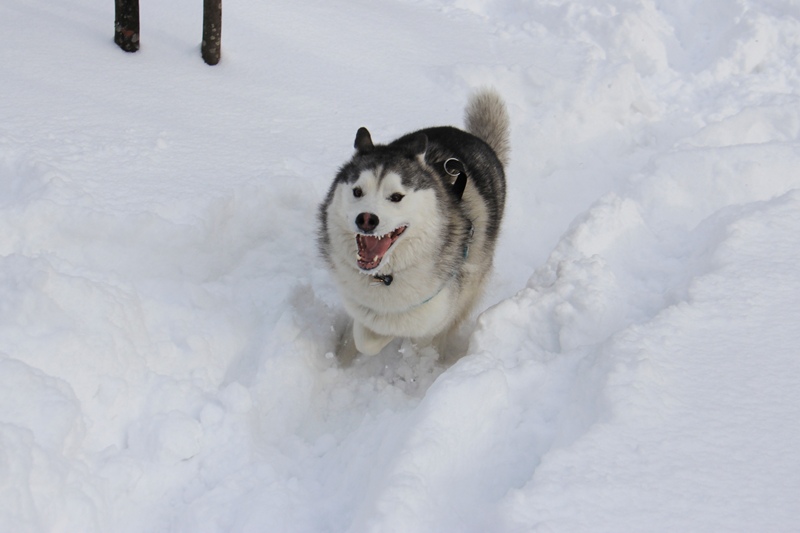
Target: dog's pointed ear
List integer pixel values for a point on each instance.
(363, 140)
(419, 145)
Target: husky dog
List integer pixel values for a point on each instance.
(409, 228)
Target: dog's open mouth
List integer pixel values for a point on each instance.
(372, 248)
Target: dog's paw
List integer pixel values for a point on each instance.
(367, 341)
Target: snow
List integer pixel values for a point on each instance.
(167, 328)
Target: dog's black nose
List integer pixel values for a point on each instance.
(367, 222)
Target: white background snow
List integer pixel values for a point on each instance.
(166, 325)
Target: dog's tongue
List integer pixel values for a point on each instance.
(371, 250)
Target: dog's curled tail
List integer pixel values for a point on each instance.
(486, 118)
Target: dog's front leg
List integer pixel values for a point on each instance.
(346, 350)
(367, 341)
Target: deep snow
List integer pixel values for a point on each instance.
(166, 326)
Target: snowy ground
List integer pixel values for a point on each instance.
(166, 325)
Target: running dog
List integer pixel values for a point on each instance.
(409, 228)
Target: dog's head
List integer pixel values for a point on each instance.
(383, 209)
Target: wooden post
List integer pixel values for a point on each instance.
(212, 31)
(126, 24)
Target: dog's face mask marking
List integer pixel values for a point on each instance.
(387, 198)
(377, 214)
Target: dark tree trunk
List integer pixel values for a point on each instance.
(212, 31)
(126, 24)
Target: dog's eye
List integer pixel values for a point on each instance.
(396, 197)
(357, 192)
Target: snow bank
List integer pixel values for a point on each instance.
(166, 329)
